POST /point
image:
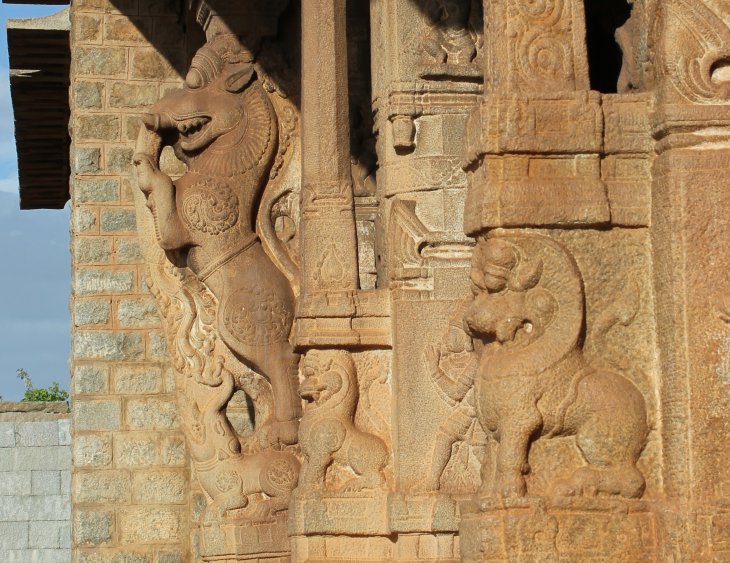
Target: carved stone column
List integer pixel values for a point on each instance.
(691, 240)
(329, 271)
(534, 143)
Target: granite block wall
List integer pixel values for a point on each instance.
(35, 473)
(130, 488)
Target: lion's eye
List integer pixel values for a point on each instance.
(194, 79)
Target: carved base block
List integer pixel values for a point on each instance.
(419, 512)
(557, 529)
(323, 513)
(253, 542)
(406, 548)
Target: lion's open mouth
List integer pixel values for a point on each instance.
(190, 127)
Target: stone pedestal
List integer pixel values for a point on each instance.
(557, 529)
(256, 542)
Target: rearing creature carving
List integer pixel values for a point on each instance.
(224, 127)
(229, 307)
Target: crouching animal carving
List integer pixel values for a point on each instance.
(533, 382)
(328, 434)
(226, 295)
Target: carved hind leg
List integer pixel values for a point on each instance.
(611, 441)
(281, 368)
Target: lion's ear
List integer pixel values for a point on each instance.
(239, 77)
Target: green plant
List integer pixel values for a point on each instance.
(52, 393)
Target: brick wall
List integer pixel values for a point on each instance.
(130, 488)
(35, 471)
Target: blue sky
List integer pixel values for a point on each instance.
(35, 276)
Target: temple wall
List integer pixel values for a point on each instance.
(503, 234)
(131, 477)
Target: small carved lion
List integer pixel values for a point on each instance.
(327, 433)
(527, 318)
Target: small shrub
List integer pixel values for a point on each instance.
(52, 393)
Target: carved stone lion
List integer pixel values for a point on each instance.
(327, 433)
(533, 382)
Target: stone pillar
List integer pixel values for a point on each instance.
(329, 272)
(691, 240)
(535, 141)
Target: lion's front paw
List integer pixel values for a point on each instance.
(510, 486)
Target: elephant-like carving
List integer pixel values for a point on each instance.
(532, 382)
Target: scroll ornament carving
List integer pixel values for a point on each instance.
(533, 382)
(328, 434)
(700, 71)
(541, 33)
(223, 282)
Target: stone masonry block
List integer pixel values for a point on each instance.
(44, 534)
(136, 449)
(91, 281)
(126, 30)
(45, 555)
(128, 251)
(97, 127)
(27, 459)
(148, 64)
(119, 159)
(13, 535)
(15, 483)
(92, 250)
(133, 555)
(138, 313)
(83, 220)
(88, 95)
(7, 435)
(107, 345)
(107, 6)
(133, 94)
(160, 487)
(64, 432)
(24, 508)
(100, 61)
(92, 312)
(96, 190)
(46, 483)
(102, 487)
(87, 160)
(113, 220)
(92, 450)
(137, 380)
(66, 483)
(157, 349)
(157, 524)
(37, 433)
(169, 556)
(64, 535)
(151, 414)
(92, 527)
(91, 379)
(87, 28)
(97, 415)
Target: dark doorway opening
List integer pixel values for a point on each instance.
(603, 18)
